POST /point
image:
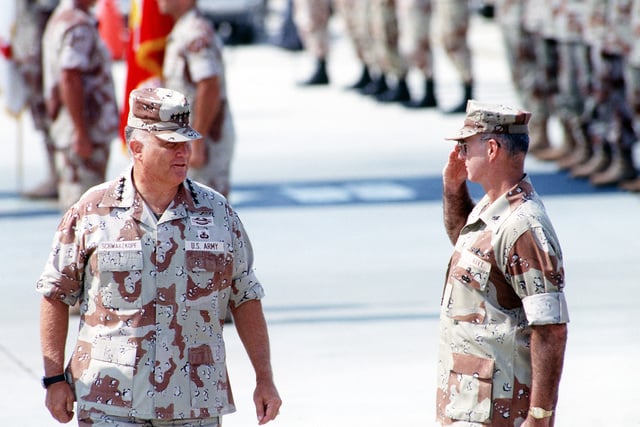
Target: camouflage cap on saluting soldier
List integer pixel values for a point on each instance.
(163, 112)
(492, 118)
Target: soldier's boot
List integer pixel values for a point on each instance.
(582, 151)
(555, 153)
(428, 98)
(538, 135)
(400, 93)
(467, 89)
(363, 81)
(319, 76)
(621, 169)
(598, 162)
(377, 86)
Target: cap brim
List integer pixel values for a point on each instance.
(463, 133)
(184, 134)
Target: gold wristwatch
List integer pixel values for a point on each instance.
(539, 413)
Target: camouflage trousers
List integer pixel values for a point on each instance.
(76, 175)
(454, 18)
(385, 34)
(609, 114)
(101, 420)
(632, 80)
(312, 19)
(355, 14)
(415, 28)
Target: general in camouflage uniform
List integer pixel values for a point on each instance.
(156, 261)
(312, 19)
(80, 97)
(503, 308)
(194, 65)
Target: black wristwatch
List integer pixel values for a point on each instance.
(47, 381)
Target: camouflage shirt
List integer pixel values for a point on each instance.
(505, 275)
(193, 53)
(71, 41)
(154, 295)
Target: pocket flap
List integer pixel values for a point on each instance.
(474, 366)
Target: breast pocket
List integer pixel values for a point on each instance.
(121, 278)
(471, 270)
(209, 268)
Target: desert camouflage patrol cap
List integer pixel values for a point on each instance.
(163, 112)
(492, 118)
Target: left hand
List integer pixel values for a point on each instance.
(267, 401)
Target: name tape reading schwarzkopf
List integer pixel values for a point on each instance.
(195, 245)
(125, 245)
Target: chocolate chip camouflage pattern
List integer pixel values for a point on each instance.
(154, 295)
(505, 275)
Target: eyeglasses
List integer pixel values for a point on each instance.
(463, 146)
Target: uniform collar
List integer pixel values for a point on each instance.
(494, 214)
(122, 194)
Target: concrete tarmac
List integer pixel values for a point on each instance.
(340, 196)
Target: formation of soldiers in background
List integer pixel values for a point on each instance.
(577, 61)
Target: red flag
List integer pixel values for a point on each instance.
(148, 31)
(111, 27)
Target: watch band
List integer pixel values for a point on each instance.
(47, 381)
(540, 413)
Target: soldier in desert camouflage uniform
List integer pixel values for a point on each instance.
(454, 16)
(355, 14)
(80, 98)
(312, 19)
(194, 65)
(156, 261)
(415, 25)
(503, 312)
(385, 33)
(26, 49)
(632, 80)
(611, 124)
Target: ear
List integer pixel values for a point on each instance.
(494, 148)
(136, 147)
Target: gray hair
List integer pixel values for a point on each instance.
(513, 143)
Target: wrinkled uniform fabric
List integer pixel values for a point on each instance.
(415, 28)
(194, 53)
(153, 298)
(312, 19)
(454, 16)
(71, 41)
(611, 120)
(355, 14)
(632, 72)
(385, 34)
(505, 275)
(26, 50)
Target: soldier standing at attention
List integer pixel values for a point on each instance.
(454, 18)
(503, 313)
(312, 19)
(26, 49)
(156, 261)
(80, 98)
(194, 65)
